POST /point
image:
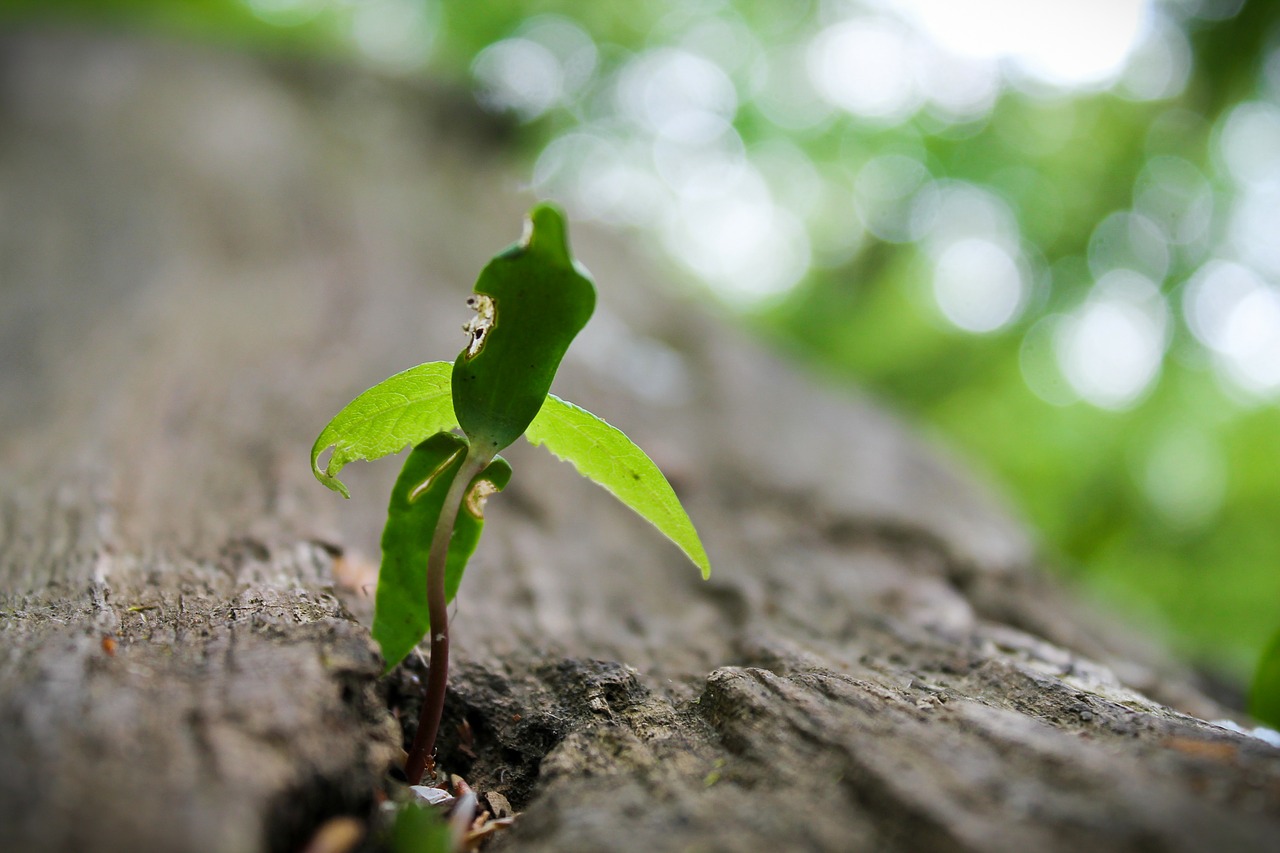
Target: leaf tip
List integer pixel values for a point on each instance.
(324, 475)
(334, 484)
(545, 232)
(698, 556)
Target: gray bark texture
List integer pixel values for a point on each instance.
(203, 255)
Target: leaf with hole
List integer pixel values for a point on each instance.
(530, 302)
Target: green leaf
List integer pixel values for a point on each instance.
(420, 829)
(603, 454)
(531, 301)
(390, 416)
(1264, 698)
(401, 618)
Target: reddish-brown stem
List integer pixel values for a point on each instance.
(422, 753)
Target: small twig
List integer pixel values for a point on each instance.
(464, 812)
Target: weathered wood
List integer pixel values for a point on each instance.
(204, 255)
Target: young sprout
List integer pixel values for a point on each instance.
(530, 302)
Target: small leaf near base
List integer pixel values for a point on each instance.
(400, 618)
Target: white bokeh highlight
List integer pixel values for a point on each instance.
(1060, 43)
(1236, 314)
(1111, 348)
(977, 285)
(865, 66)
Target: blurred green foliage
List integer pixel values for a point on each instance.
(1151, 466)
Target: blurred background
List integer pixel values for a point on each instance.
(1048, 231)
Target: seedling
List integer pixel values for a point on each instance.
(530, 302)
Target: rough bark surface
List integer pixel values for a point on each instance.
(203, 255)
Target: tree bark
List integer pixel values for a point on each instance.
(204, 255)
